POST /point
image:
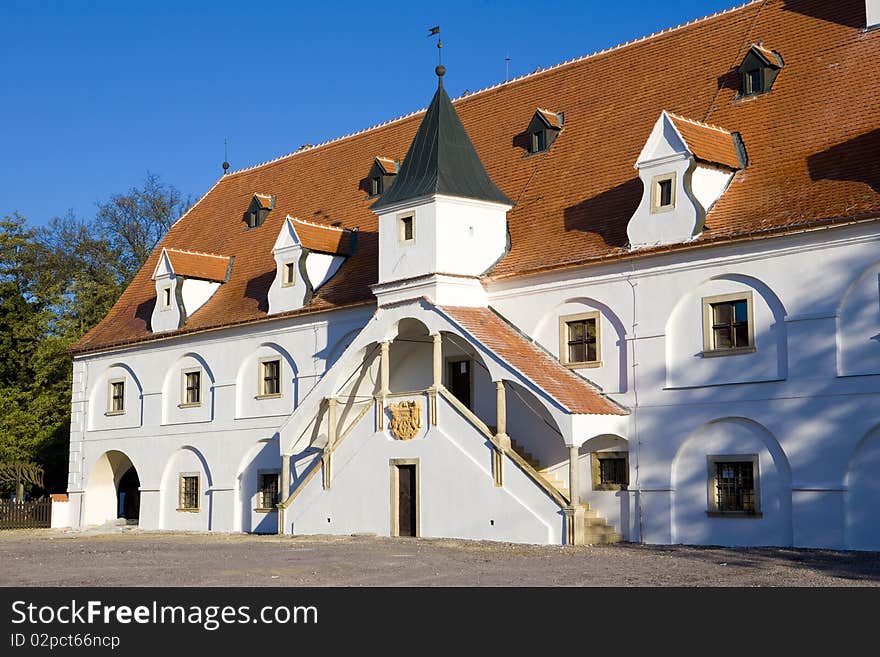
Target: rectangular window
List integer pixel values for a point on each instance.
(610, 470)
(166, 298)
(727, 324)
(289, 275)
(192, 388)
(753, 82)
(663, 193)
(407, 230)
(733, 484)
(117, 397)
(268, 489)
(579, 339)
(189, 492)
(539, 141)
(375, 186)
(270, 378)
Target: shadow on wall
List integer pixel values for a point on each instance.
(855, 160)
(606, 214)
(850, 13)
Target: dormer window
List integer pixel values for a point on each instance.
(543, 129)
(166, 298)
(759, 70)
(261, 206)
(382, 175)
(288, 275)
(663, 193)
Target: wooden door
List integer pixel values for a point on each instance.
(406, 500)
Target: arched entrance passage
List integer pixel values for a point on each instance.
(113, 490)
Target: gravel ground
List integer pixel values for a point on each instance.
(125, 557)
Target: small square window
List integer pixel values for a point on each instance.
(268, 490)
(663, 193)
(189, 493)
(727, 324)
(270, 378)
(407, 228)
(192, 388)
(733, 484)
(610, 470)
(117, 397)
(288, 276)
(579, 339)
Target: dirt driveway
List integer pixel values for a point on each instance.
(136, 558)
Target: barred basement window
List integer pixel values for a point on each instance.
(610, 470)
(189, 493)
(270, 378)
(579, 340)
(268, 490)
(117, 397)
(733, 484)
(192, 388)
(728, 326)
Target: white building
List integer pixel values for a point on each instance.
(633, 295)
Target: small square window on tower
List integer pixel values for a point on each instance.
(663, 193)
(407, 228)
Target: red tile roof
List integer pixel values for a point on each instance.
(206, 266)
(708, 143)
(263, 200)
(323, 238)
(566, 387)
(812, 145)
(388, 165)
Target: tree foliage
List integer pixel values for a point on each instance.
(56, 283)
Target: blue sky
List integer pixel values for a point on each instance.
(95, 94)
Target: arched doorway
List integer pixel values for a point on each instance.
(113, 490)
(128, 495)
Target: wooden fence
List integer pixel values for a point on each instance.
(26, 515)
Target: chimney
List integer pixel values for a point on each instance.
(872, 13)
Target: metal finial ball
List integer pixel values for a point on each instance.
(440, 71)
(226, 166)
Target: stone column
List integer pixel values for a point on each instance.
(502, 440)
(285, 490)
(574, 514)
(574, 476)
(437, 377)
(331, 440)
(384, 377)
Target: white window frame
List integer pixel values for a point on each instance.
(656, 208)
(709, 348)
(110, 384)
(401, 227)
(563, 339)
(712, 488)
(261, 364)
(167, 294)
(285, 281)
(183, 387)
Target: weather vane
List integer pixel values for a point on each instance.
(440, 70)
(225, 155)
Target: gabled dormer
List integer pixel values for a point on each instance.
(260, 207)
(185, 280)
(759, 69)
(543, 129)
(685, 167)
(307, 255)
(382, 175)
(444, 222)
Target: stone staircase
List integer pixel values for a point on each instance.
(596, 530)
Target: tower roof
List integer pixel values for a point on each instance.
(441, 160)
